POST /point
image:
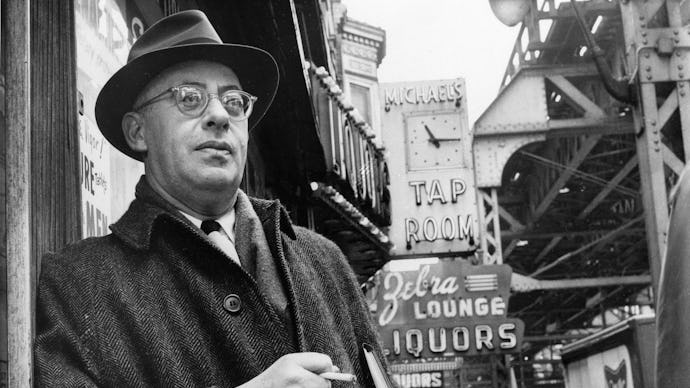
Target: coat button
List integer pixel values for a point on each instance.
(232, 303)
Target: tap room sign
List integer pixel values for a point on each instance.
(446, 309)
(425, 126)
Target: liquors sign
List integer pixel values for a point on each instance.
(447, 309)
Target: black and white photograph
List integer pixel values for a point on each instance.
(345, 193)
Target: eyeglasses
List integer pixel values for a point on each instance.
(192, 101)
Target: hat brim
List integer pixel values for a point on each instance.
(255, 68)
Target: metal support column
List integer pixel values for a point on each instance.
(659, 53)
(489, 226)
(652, 179)
(682, 90)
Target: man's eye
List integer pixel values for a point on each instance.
(190, 96)
(233, 100)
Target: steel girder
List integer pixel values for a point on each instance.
(490, 224)
(658, 43)
(658, 52)
(658, 60)
(524, 114)
(521, 283)
(521, 115)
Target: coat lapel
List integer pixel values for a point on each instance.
(137, 227)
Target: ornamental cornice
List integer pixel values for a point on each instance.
(359, 51)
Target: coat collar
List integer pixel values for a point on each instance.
(138, 223)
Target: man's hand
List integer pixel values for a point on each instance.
(295, 370)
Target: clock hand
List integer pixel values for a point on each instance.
(432, 138)
(448, 139)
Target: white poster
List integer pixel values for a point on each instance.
(103, 42)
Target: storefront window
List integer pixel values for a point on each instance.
(361, 99)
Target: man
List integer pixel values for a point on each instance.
(198, 285)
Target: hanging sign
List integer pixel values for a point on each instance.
(446, 309)
(419, 380)
(426, 130)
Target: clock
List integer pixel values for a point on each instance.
(434, 140)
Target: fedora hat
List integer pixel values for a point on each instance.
(180, 37)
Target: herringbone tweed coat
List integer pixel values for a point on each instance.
(143, 306)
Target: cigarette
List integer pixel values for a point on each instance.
(339, 376)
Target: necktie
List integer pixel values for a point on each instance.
(215, 232)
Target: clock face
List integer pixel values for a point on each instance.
(434, 141)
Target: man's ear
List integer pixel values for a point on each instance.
(133, 129)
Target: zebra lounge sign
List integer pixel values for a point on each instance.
(451, 308)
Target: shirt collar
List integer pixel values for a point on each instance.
(226, 221)
(136, 226)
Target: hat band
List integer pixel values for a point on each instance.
(197, 41)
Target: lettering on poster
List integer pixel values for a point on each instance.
(105, 30)
(94, 167)
(102, 38)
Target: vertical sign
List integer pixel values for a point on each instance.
(426, 130)
(105, 30)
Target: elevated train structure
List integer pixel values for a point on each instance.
(573, 182)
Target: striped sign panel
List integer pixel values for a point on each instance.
(481, 283)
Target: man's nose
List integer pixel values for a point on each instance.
(216, 117)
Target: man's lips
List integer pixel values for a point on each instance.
(216, 145)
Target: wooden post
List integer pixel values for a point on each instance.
(20, 280)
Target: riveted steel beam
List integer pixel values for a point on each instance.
(552, 338)
(652, 178)
(545, 201)
(573, 164)
(580, 174)
(683, 93)
(548, 248)
(490, 226)
(661, 55)
(492, 153)
(515, 225)
(519, 116)
(591, 109)
(527, 93)
(536, 235)
(671, 160)
(510, 248)
(664, 54)
(600, 301)
(607, 237)
(610, 186)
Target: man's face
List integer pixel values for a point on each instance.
(186, 154)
